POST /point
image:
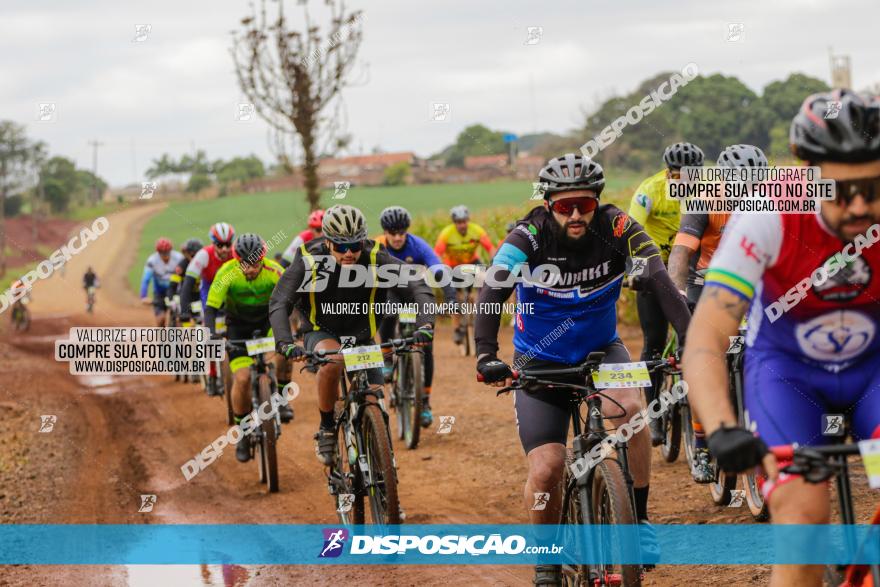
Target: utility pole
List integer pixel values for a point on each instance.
(95, 144)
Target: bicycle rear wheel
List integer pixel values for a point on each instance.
(611, 505)
(752, 483)
(687, 434)
(382, 493)
(671, 422)
(266, 447)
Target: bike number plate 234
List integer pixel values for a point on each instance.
(363, 357)
(258, 346)
(614, 375)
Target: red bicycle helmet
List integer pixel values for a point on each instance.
(315, 219)
(163, 245)
(222, 232)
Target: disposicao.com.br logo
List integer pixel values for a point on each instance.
(480, 544)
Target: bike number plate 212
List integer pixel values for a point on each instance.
(363, 357)
(613, 375)
(258, 346)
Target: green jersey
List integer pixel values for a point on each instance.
(246, 300)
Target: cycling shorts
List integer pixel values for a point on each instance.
(159, 305)
(243, 330)
(543, 415)
(786, 398)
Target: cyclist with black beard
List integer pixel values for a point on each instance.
(590, 245)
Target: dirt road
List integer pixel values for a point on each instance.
(116, 439)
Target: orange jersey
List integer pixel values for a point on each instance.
(457, 249)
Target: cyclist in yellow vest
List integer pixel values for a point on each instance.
(659, 214)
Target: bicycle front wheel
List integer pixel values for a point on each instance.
(382, 489)
(611, 505)
(268, 454)
(411, 396)
(223, 367)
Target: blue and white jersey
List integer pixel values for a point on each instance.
(159, 272)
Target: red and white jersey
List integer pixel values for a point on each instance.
(205, 264)
(300, 239)
(815, 297)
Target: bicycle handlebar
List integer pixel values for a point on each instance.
(321, 356)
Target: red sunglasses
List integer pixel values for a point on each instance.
(566, 206)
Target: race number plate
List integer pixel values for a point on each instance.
(614, 375)
(258, 346)
(363, 357)
(407, 317)
(196, 307)
(220, 324)
(870, 450)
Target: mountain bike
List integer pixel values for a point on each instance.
(90, 298)
(604, 494)
(214, 382)
(676, 421)
(408, 384)
(817, 464)
(364, 468)
(264, 438)
(21, 316)
(465, 330)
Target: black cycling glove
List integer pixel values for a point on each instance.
(423, 336)
(493, 369)
(736, 449)
(292, 351)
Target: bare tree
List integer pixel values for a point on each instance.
(294, 78)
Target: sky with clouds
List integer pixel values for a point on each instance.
(177, 89)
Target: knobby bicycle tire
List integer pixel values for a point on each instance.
(414, 379)
(227, 391)
(267, 446)
(671, 421)
(611, 504)
(384, 506)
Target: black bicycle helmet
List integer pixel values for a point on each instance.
(742, 156)
(840, 126)
(394, 218)
(249, 248)
(681, 155)
(192, 246)
(571, 172)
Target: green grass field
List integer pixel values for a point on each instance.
(493, 205)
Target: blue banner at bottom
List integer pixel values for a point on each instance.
(438, 544)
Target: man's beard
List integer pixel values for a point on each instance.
(571, 242)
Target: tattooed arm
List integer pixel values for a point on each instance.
(716, 318)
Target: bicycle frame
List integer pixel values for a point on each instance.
(354, 400)
(835, 463)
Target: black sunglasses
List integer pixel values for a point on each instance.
(346, 247)
(848, 189)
